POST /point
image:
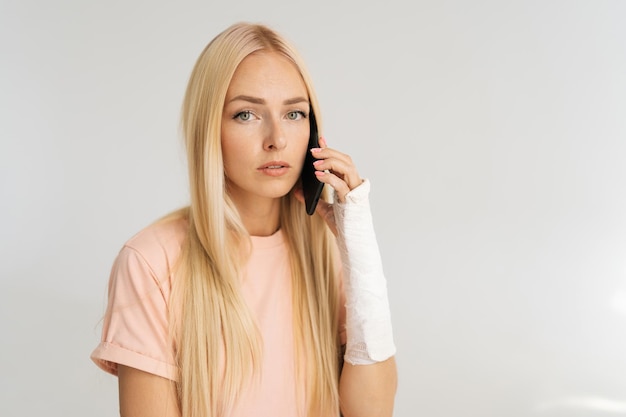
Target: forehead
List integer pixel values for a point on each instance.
(266, 74)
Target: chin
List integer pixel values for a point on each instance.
(280, 192)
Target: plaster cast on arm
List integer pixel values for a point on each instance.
(368, 318)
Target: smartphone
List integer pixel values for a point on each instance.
(311, 186)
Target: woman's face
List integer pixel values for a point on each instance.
(265, 128)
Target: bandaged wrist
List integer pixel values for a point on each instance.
(368, 318)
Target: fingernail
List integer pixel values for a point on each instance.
(320, 173)
(316, 150)
(319, 161)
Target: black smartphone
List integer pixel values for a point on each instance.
(311, 186)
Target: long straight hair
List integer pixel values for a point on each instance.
(210, 322)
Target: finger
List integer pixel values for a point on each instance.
(325, 153)
(342, 169)
(339, 163)
(339, 185)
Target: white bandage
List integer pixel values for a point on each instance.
(368, 319)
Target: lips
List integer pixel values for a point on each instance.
(275, 168)
(275, 165)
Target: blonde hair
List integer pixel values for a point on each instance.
(210, 321)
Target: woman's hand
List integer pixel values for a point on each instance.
(337, 170)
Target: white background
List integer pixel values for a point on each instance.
(494, 134)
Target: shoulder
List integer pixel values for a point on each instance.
(157, 246)
(166, 235)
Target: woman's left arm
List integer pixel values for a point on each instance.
(369, 378)
(368, 390)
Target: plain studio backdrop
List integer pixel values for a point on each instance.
(494, 135)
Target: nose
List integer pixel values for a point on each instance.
(275, 137)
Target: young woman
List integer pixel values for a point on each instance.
(242, 304)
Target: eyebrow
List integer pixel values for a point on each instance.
(257, 100)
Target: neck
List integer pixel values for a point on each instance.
(262, 218)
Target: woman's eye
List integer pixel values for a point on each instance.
(295, 115)
(244, 115)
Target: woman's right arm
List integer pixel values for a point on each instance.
(146, 395)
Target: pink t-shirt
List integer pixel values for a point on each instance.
(135, 328)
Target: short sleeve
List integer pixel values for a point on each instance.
(135, 328)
